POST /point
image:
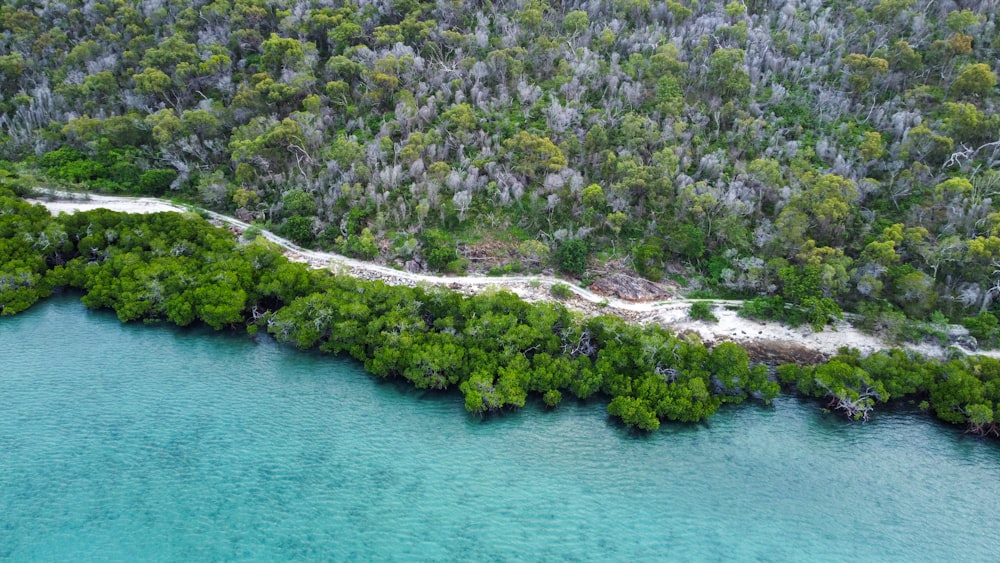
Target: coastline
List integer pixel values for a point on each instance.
(766, 340)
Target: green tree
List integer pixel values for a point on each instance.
(864, 70)
(280, 53)
(974, 80)
(298, 202)
(634, 412)
(532, 155)
(821, 210)
(575, 22)
(965, 123)
(962, 20)
(726, 76)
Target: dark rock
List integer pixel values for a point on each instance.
(782, 352)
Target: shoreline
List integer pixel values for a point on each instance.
(768, 339)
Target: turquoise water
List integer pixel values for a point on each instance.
(126, 442)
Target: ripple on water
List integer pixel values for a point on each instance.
(132, 442)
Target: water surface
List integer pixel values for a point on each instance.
(125, 442)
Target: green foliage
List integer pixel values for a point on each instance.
(847, 387)
(817, 312)
(298, 202)
(634, 412)
(763, 308)
(298, 229)
(702, 311)
(71, 165)
(647, 260)
(960, 391)
(985, 328)
(593, 196)
(252, 232)
(688, 241)
(814, 311)
(975, 80)
(25, 242)
(575, 21)
(438, 249)
(726, 76)
(864, 69)
(552, 398)
(803, 287)
(560, 291)
(962, 20)
(571, 256)
(362, 246)
(157, 180)
(533, 155)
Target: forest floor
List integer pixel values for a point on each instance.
(765, 340)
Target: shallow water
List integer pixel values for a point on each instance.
(124, 442)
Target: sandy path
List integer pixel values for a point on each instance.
(672, 313)
(137, 206)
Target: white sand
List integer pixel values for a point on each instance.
(732, 327)
(69, 202)
(137, 206)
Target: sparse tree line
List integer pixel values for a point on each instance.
(493, 348)
(830, 154)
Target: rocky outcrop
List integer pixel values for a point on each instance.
(777, 352)
(630, 289)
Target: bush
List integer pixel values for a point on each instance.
(438, 249)
(157, 181)
(572, 257)
(914, 331)
(561, 291)
(702, 311)
(648, 261)
(763, 308)
(983, 327)
(79, 171)
(298, 202)
(364, 246)
(818, 311)
(252, 233)
(60, 157)
(299, 229)
(880, 318)
(457, 266)
(439, 257)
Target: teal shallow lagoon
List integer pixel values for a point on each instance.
(124, 442)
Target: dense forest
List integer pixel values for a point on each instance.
(494, 348)
(820, 154)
